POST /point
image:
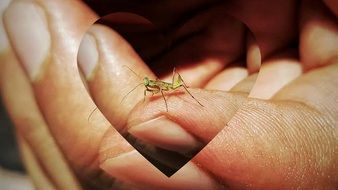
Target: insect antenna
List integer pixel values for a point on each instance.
(133, 72)
(124, 97)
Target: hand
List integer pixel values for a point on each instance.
(288, 140)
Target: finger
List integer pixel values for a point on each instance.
(320, 95)
(265, 126)
(275, 73)
(333, 5)
(206, 43)
(273, 25)
(263, 138)
(246, 84)
(224, 104)
(35, 171)
(319, 35)
(173, 131)
(253, 53)
(112, 70)
(274, 144)
(227, 79)
(276, 130)
(16, 91)
(99, 33)
(232, 76)
(51, 66)
(108, 71)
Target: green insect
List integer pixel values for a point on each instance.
(158, 86)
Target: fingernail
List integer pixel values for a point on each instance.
(166, 134)
(131, 168)
(253, 56)
(88, 55)
(3, 37)
(27, 28)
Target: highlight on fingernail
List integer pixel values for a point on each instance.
(88, 55)
(166, 134)
(27, 27)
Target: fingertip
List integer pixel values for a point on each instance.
(227, 79)
(318, 35)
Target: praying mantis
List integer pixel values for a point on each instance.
(158, 86)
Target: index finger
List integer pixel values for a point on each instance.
(112, 69)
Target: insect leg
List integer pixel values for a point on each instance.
(173, 77)
(182, 83)
(145, 94)
(179, 82)
(149, 90)
(181, 79)
(165, 101)
(191, 95)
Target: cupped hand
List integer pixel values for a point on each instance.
(278, 131)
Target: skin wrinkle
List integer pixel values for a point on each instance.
(256, 116)
(74, 159)
(319, 84)
(217, 178)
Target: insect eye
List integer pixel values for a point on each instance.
(146, 81)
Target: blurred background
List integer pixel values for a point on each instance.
(12, 172)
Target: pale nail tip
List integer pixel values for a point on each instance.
(115, 161)
(197, 176)
(88, 55)
(29, 33)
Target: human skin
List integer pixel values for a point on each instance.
(279, 134)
